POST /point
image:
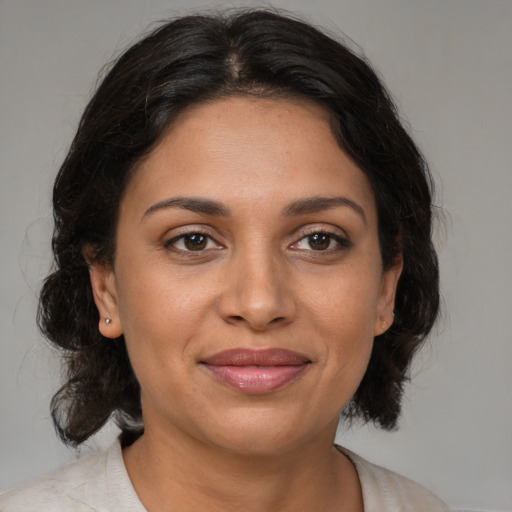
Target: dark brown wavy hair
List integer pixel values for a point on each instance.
(199, 58)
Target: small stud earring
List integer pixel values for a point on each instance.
(108, 321)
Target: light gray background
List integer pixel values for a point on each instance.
(448, 63)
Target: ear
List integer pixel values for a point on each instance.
(386, 302)
(105, 296)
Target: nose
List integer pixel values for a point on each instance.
(257, 293)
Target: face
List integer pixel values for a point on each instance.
(247, 278)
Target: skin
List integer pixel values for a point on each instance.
(260, 281)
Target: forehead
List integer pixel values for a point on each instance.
(238, 149)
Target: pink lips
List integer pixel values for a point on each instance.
(256, 371)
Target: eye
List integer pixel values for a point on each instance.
(192, 242)
(321, 241)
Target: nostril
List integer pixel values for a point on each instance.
(256, 306)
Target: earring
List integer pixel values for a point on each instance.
(108, 321)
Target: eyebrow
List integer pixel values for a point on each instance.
(194, 204)
(319, 204)
(303, 206)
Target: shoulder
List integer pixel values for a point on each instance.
(66, 489)
(83, 486)
(384, 490)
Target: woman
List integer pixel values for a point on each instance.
(242, 253)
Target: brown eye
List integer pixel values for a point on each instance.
(322, 241)
(192, 242)
(195, 242)
(319, 241)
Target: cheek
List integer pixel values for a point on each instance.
(343, 312)
(161, 312)
(346, 299)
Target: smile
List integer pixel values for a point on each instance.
(256, 371)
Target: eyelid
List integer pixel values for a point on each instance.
(312, 229)
(334, 232)
(179, 233)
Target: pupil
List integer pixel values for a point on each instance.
(195, 242)
(319, 241)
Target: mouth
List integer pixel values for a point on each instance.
(256, 371)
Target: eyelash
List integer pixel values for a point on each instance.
(170, 244)
(342, 242)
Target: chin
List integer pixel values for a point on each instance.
(259, 445)
(267, 433)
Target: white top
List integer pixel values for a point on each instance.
(100, 483)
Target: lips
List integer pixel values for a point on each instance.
(256, 371)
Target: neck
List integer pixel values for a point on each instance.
(176, 472)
